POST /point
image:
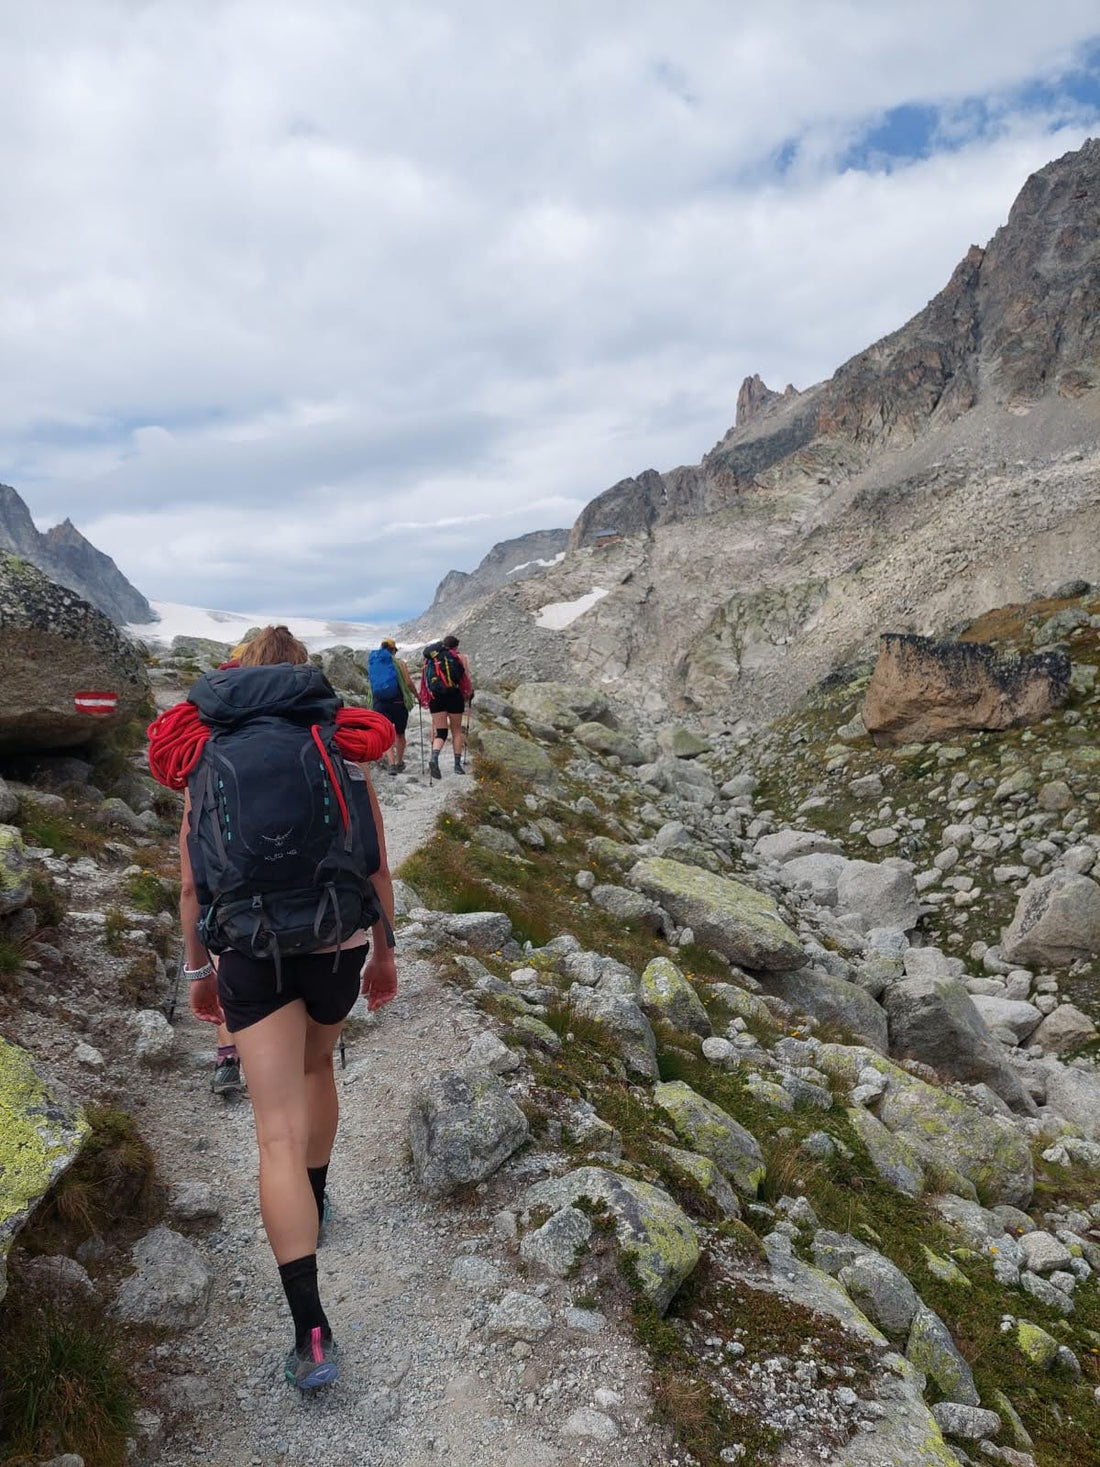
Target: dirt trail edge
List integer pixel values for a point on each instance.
(420, 1382)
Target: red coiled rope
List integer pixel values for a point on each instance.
(178, 737)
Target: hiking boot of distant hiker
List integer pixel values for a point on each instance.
(458, 766)
(226, 1079)
(315, 1364)
(399, 767)
(433, 767)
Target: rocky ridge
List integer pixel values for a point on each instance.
(827, 516)
(64, 555)
(506, 563)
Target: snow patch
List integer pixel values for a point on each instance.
(528, 563)
(560, 614)
(230, 626)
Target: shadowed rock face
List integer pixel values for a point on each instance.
(66, 556)
(53, 645)
(923, 690)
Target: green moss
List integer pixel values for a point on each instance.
(33, 1144)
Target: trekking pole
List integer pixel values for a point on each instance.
(420, 710)
(170, 1006)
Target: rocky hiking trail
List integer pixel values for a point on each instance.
(406, 1281)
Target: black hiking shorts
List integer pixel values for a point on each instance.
(246, 986)
(447, 700)
(394, 709)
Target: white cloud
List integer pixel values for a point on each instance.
(329, 298)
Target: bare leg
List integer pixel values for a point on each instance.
(324, 1107)
(273, 1052)
(439, 732)
(455, 720)
(399, 749)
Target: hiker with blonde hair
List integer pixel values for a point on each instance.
(283, 876)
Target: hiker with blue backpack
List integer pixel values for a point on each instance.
(284, 877)
(392, 694)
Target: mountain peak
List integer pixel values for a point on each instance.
(68, 557)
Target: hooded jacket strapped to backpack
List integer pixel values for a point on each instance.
(282, 838)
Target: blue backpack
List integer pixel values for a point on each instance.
(382, 671)
(281, 837)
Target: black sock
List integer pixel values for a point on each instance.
(318, 1176)
(299, 1278)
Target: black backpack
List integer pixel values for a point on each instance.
(442, 669)
(281, 838)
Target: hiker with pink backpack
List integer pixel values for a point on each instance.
(446, 690)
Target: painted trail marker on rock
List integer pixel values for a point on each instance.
(96, 704)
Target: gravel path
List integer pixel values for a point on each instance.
(420, 1383)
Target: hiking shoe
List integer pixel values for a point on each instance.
(226, 1079)
(433, 768)
(399, 767)
(315, 1364)
(458, 767)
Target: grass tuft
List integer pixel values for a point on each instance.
(65, 1385)
(111, 1185)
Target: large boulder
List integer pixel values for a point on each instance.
(603, 740)
(879, 893)
(707, 1129)
(629, 906)
(922, 690)
(463, 1125)
(681, 743)
(518, 756)
(788, 845)
(171, 1283)
(985, 1156)
(883, 1293)
(560, 705)
(203, 651)
(1074, 1093)
(818, 875)
(344, 669)
(737, 921)
(55, 650)
(666, 994)
(1063, 1030)
(15, 873)
(934, 1020)
(833, 1001)
(628, 1030)
(42, 1136)
(654, 1233)
(1057, 921)
(892, 1157)
(932, 1350)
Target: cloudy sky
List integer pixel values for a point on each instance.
(306, 303)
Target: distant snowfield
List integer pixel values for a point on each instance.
(230, 626)
(560, 614)
(528, 563)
